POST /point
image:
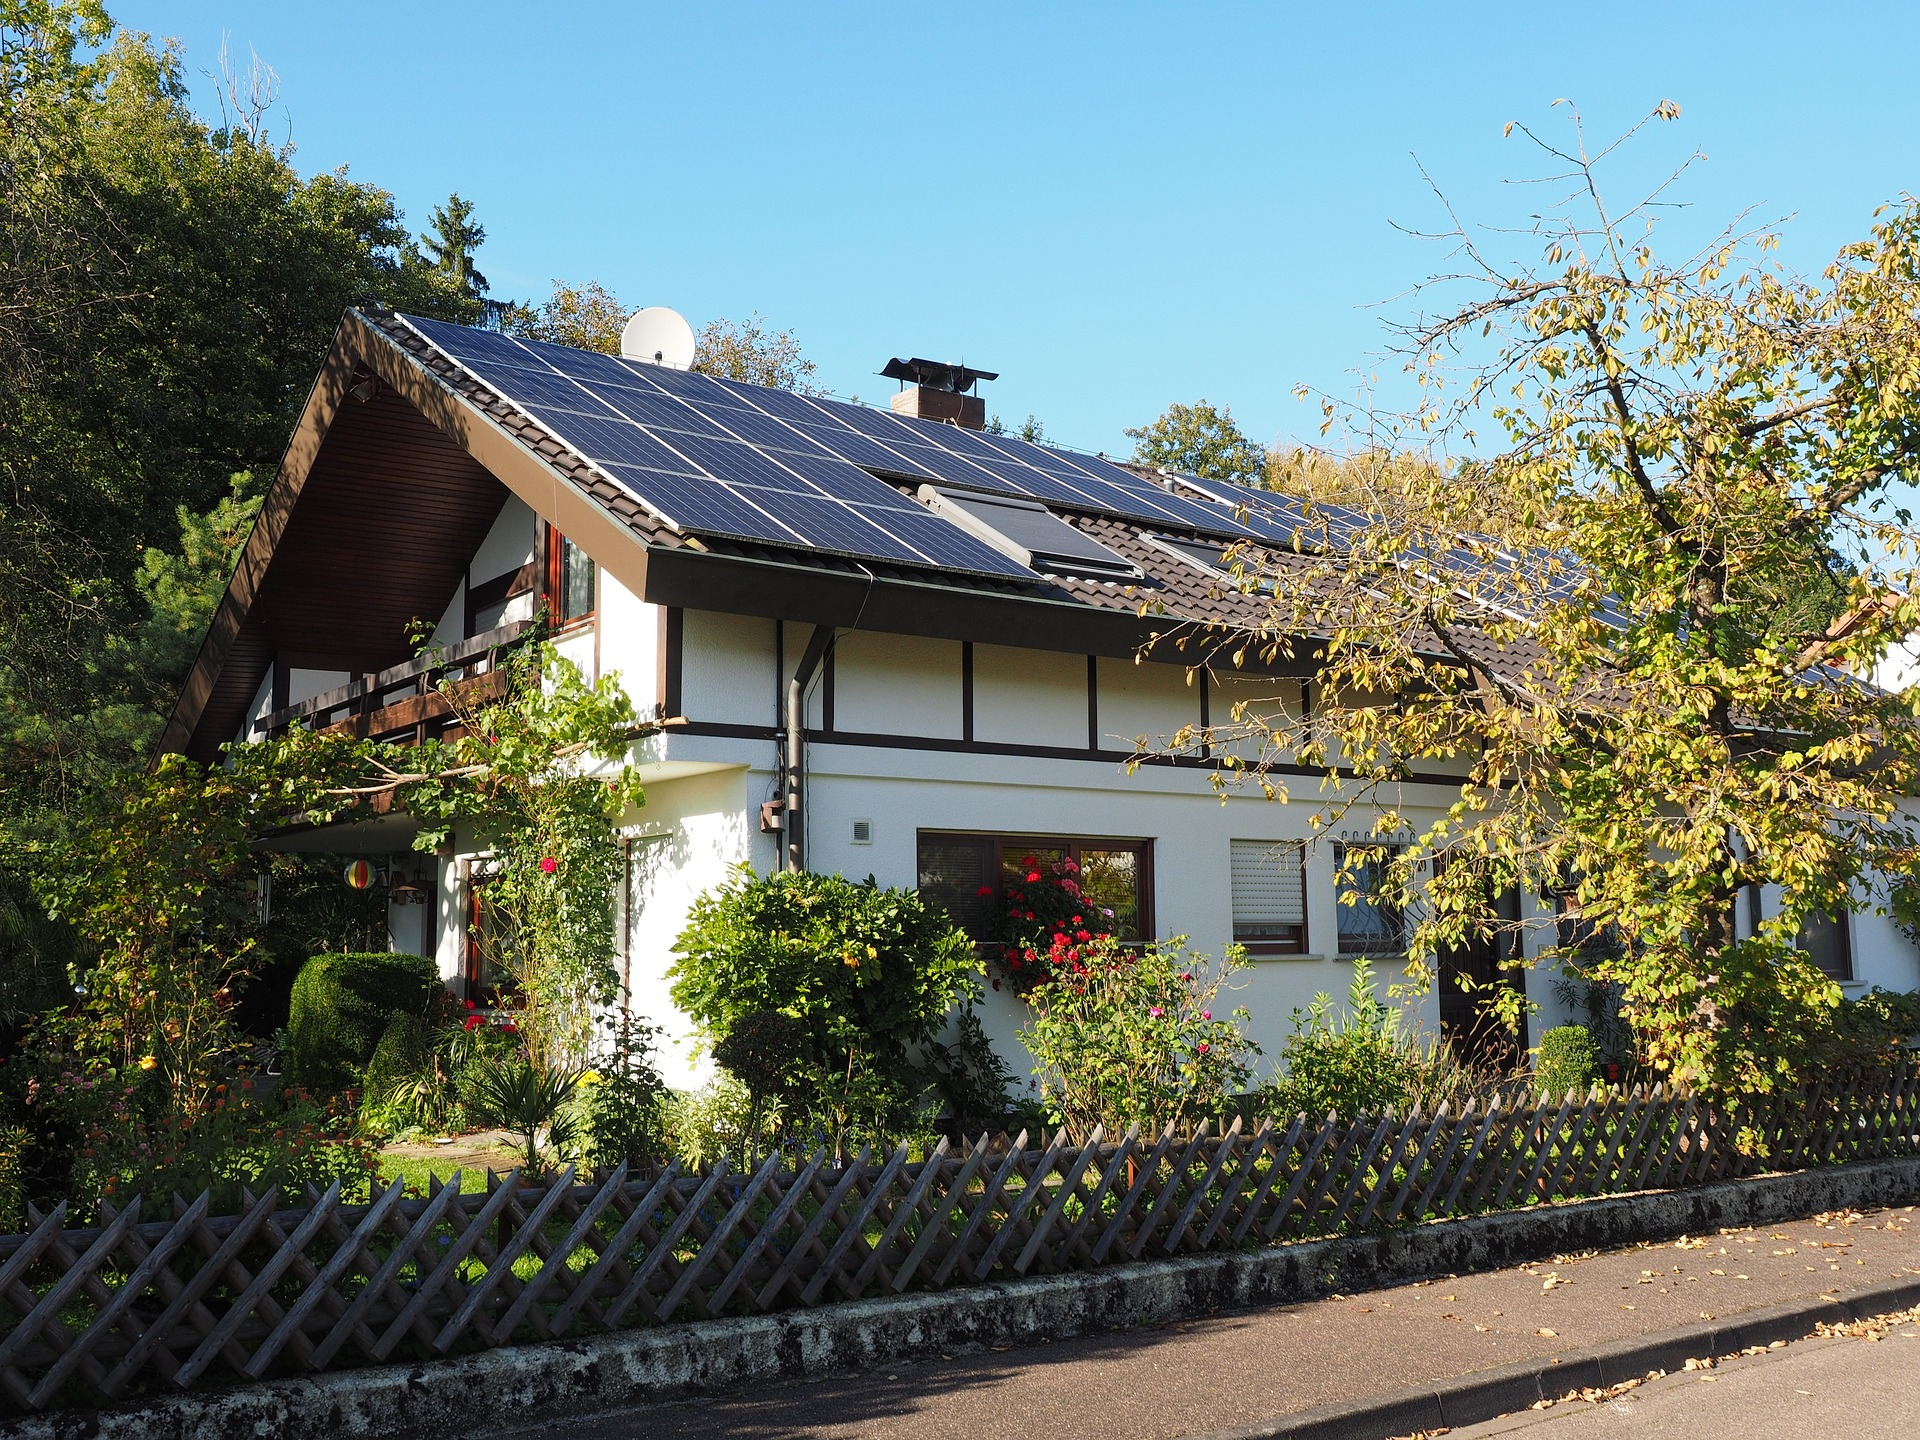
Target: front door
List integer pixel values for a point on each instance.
(1469, 975)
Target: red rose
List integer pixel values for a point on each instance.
(1033, 877)
(985, 890)
(548, 864)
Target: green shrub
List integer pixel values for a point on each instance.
(971, 1082)
(868, 974)
(1567, 1059)
(703, 1125)
(342, 1005)
(1132, 1036)
(534, 1104)
(623, 1098)
(1364, 1063)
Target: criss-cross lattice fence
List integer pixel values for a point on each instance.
(147, 1301)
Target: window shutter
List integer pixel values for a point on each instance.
(1269, 891)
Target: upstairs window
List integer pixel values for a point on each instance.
(1270, 896)
(1369, 923)
(570, 576)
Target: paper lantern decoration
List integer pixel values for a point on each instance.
(359, 874)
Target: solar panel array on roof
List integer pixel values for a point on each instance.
(719, 457)
(713, 470)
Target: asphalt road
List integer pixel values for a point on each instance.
(1213, 1374)
(1811, 1390)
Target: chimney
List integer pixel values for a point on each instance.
(930, 390)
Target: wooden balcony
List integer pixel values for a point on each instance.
(406, 704)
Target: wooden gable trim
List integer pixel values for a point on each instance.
(552, 497)
(330, 388)
(361, 353)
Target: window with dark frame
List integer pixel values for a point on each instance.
(1829, 944)
(1369, 925)
(966, 875)
(1270, 896)
(570, 581)
(489, 981)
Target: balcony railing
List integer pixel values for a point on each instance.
(405, 703)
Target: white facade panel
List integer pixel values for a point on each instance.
(684, 841)
(726, 668)
(629, 641)
(1263, 703)
(1029, 697)
(581, 647)
(1147, 701)
(509, 544)
(304, 684)
(897, 685)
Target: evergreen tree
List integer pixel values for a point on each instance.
(451, 242)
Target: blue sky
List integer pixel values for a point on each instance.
(1116, 206)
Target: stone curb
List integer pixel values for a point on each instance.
(516, 1384)
(1488, 1394)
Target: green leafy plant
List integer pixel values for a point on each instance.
(868, 974)
(624, 1099)
(343, 1005)
(716, 1120)
(541, 780)
(1365, 1061)
(532, 1102)
(971, 1081)
(767, 1053)
(1134, 1036)
(1565, 1060)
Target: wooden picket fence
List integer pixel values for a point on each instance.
(138, 1303)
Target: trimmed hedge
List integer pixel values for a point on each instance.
(343, 1004)
(1567, 1060)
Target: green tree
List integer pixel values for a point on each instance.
(868, 974)
(585, 317)
(1198, 439)
(751, 350)
(450, 244)
(167, 290)
(1683, 445)
(1028, 429)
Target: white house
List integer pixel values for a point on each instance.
(879, 638)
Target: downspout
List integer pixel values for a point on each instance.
(792, 825)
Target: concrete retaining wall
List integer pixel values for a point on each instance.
(522, 1384)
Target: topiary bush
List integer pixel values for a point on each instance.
(343, 1004)
(1567, 1059)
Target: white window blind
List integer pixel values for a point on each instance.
(1269, 892)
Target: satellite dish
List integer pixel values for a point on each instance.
(658, 336)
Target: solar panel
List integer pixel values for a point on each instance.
(654, 421)
(700, 471)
